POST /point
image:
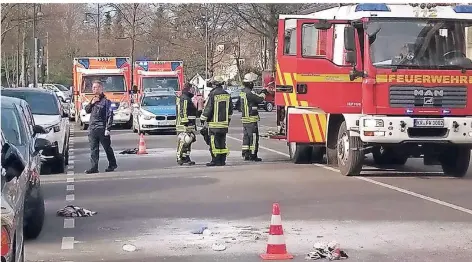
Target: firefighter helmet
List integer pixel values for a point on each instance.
(250, 77)
(187, 137)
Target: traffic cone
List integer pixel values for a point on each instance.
(142, 146)
(276, 248)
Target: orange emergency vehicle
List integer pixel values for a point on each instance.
(394, 80)
(151, 75)
(115, 73)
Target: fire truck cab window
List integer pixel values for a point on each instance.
(313, 41)
(290, 39)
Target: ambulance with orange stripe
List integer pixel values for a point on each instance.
(394, 80)
(115, 74)
(151, 75)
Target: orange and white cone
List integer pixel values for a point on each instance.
(142, 146)
(276, 248)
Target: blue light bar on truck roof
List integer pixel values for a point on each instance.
(372, 7)
(463, 9)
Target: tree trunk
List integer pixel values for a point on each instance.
(23, 57)
(271, 49)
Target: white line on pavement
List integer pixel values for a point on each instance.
(69, 222)
(70, 173)
(70, 180)
(70, 188)
(70, 197)
(398, 189)
(67, 243)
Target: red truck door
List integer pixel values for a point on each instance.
(322, 78)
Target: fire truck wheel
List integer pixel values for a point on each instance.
(388, 156)
(299, 153)
(455, 161)
(350, 155)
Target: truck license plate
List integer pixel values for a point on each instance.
(429, 122)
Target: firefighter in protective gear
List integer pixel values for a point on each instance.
(250, 118)
(217, 113)
(185, 125)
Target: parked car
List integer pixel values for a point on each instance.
(20, 130)
(14, 170)
(235, 99)
(156, 111)
(48, 113)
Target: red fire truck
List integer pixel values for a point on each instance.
(393, 80)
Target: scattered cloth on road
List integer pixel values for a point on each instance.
(75, 211)
(129, 151)
(129, 248)
(331, 251)
(200, 230)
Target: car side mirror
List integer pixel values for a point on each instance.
(12, 161)
(37, 129)
(41, 144)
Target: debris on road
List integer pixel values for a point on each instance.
(331, 251)
(218, 247)
(129, 248)
(75, 211)
(129, 151)
(200, 230)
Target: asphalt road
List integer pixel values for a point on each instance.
(410, 213)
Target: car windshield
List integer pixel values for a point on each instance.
(12, 127)
(111, 83)
(160, 82)
(158, 101)
(40, 103)
(433, 44)
(61, 87)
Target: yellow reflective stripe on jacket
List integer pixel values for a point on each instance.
(218, 124)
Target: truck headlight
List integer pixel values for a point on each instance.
(373, 123)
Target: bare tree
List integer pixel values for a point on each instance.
(263, 20)
(135, 16)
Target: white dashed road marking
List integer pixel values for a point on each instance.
(67, 243)
(69, 223)
(398, 189)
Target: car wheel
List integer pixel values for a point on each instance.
(269, 107)
(35, 220)
(129, 124)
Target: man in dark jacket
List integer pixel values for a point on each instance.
(217, 112)
(250, 118)
(101, 120)
(186, 121)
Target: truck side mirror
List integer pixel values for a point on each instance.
(351, 57)
(349, 38)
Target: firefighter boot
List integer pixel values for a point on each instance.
(189, 162)
(213, 161)
(222, 160)
(255, 158)
(246, 155)
(180, 162)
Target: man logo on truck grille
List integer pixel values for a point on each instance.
(428, 101)
(428, 93)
